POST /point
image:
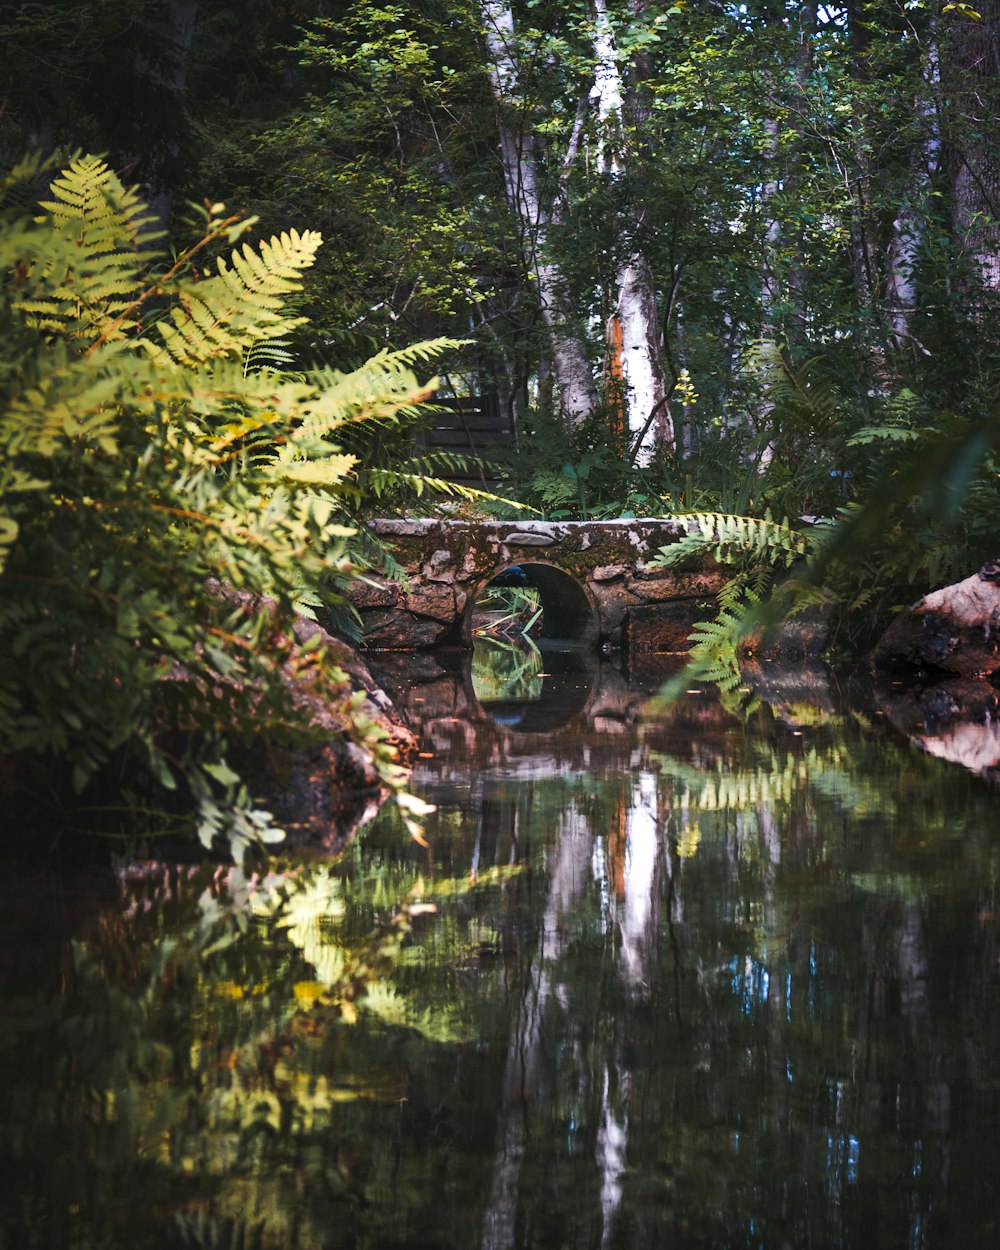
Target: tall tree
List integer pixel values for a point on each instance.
(575, 391)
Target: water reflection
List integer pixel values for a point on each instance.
(530, 691)
(688, 982)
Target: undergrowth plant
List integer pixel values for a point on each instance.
(170, 496)
(928, 513)
(757, 549)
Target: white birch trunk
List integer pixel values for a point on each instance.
(647, 416)
(642, 362)
(910, 221)
(576, 394)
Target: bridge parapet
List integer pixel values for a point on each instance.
(594, 578)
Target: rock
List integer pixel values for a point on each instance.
(405, 528)
(372, 592)
(955, 629)
(534, 538)
(663, 628)
(401, 631)
(440, 566)
(433, 599)
(322, 791)
(670, 585)
(796, 639)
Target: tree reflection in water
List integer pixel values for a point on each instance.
(680, 981)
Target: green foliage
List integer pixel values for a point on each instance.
(756, 547)
(167, 499)
(738, 538)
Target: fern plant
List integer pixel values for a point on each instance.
(743, 539)
(756, 548)
(152, 452)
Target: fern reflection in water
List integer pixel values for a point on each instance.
(503, 671)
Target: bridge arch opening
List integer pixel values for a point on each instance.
(568, 617)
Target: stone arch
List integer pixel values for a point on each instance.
(570, 612)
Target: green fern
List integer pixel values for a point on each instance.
(801, 400)
(883, 434)
(714, 653)
(271, 354)
(242, 304)
(146, 462)
(97, 248)
(730, 539)
(757, 547)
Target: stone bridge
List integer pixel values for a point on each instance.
(595, 580)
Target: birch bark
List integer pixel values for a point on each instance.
(909, 223)
(635, 315)
(575, 391)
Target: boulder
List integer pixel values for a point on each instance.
(954, 630)
(323, 785)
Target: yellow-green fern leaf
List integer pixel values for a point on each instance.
(242, 304)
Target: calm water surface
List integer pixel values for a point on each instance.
(683, 981)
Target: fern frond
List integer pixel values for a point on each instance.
(243, 304)
(312, 474)
(273, 355)
(416, 354)
(19, 185)
(730, 538)
(95, 257)
(379, 480)
(804, 397)
(884, 434)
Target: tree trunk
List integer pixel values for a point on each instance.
(635, 317)
(971, 66)
(910, 222)
(575, 392)
(172, 21)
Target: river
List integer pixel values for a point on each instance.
(700, 977)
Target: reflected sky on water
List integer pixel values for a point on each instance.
(683, 980)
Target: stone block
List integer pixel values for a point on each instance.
(400, 631)
(532, 538)
(664, 628)
(372, 592)
(434, 599)
(391, 528)
(613, 602)
(440, 567)
(678, 585)
(608, 572)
